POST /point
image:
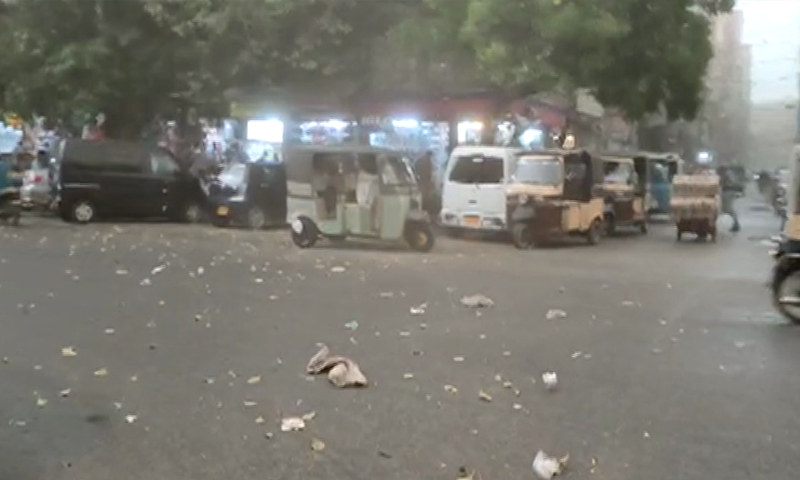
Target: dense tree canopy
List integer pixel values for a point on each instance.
(635, 54)
(131, 58)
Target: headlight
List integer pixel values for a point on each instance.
(523, 198)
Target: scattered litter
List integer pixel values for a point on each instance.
(109, 331)
(269, 435)
(408, 376)
(387, 294)
(250, 403)
(117, 405)
(383, 454)
(464, 475)
(158, 269)
(547, 467)
(577, 354)
(260, 420)
(259, 280)
(628, 303)
(450, 389)
(146, 282)
(254, 380)
(200, 271)
(131, 418)
(353, 325)
(307, 417)
(122, 272)
(338, 269)
(292, 424)
(317, 445)
(458, 359)
(517, 406)
(405, 334)
(550, 380)
(65, 393)
(342, 371)
(418, 310)
(555, 313)
(484, 396)
(134, 378)
(68, 352)
(477, 301)
(101, 372)
(41, 402)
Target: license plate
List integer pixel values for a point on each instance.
(222, 211)
(472, 221)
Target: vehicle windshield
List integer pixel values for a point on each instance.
(477, 169)
(233, 175)
(396, 172)
(540, 171)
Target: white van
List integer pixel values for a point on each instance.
(473, 192)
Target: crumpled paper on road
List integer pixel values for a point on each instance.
(342, 371)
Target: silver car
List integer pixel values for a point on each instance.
(36, 191)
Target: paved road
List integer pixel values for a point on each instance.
(671, 362)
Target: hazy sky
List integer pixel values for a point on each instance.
(772, 27)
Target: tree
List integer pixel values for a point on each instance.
(63, 56)
(637, 55)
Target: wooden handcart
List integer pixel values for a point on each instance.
(695, 205)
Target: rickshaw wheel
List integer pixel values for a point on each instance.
(256, 220)
(522, 236)
(793, 315)
(419, 236)
(306, 238)
(595, 232)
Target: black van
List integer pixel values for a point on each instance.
(124, 179)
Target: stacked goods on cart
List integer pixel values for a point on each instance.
(695, 196)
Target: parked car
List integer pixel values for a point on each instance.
(112, 178)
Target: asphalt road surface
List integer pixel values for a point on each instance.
(158, 351)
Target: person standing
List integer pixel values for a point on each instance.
(730, 193)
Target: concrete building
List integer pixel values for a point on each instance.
(727, 108)
(772, 133)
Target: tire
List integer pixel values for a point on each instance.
(419, 236)
(82, 211)
(452, 232)
(522, 236)
(595, 232)
(256, 219)
(191, 213)
(776, 295)
(643, 227)
(304, 233)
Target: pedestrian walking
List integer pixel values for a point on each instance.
(729, 195)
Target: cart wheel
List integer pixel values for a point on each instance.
(595, 232)
(522, 236)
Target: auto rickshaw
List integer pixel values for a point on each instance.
(337, 192)
(555, 192)
(785, 284)
(251, 194)
(624, 191)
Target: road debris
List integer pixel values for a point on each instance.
(68, 352)
(550, 380)
(342, 371)
(555, 313)
(317, 445)
(65, 393)
(158, 269)
(484, 396)
(250, 403)
(450, 389)
(41, 402)
(408, 376)
(547, 467)
(146, 282)
(338, 269)
(292, 424)
(131, 418)
(352, 325)
(477, 301)
(419, 309)
(102, 372)
(254, 380)
(260, 420)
